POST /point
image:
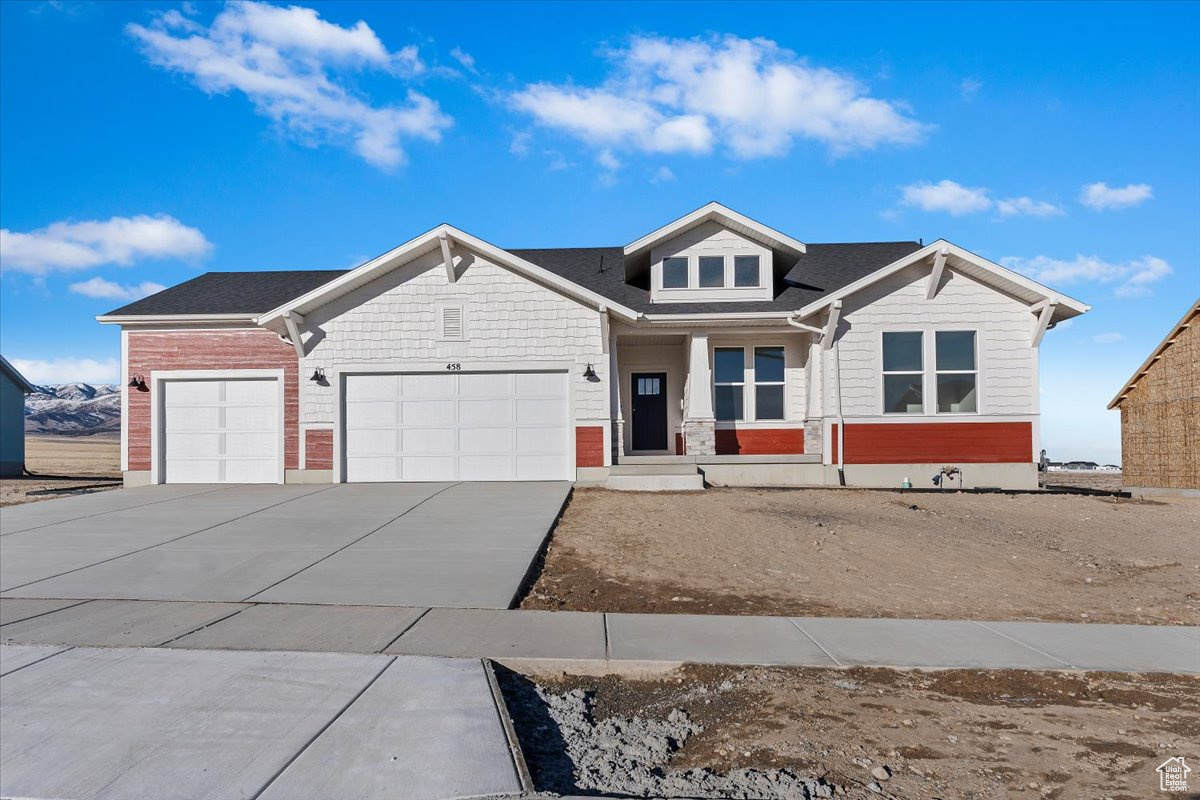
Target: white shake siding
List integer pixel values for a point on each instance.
(507, 318)
(710, 239)
(1006, 362)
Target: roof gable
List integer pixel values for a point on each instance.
(1186, 321)
(16, 377)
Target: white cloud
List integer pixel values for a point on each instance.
(1027, 207)
(607, 160)
(284, 59)
(969, 88)
(110, 290)
(1102, 197)
(69, 370)
(948, 196)
(520, 143)
(71, 246)
(464, 58)
(662, 175)
(1129, 279)
(749, 96)
(1108, 338)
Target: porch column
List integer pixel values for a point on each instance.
(617, 445)
(699, 425)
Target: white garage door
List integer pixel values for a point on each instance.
(486, 426)
(221, 431)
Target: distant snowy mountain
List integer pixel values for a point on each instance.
(73, 408)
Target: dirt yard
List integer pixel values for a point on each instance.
(858, 732)
(832, 552)
(66, 463)
(1085, 479)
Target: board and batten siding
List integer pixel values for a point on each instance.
(1006, 362)
(506, 318)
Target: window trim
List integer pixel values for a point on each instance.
(724, 271)
(758, 279)
(939, 372)
(715, 383)
(929, 370)
(756, 382)
(687, 271)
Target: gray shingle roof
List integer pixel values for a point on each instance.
(823, 269)
(230, 293)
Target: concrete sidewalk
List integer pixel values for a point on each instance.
(663, 638)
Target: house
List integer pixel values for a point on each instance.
(13, 388)
(713, 345)
(1160, 415)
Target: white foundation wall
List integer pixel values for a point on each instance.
(1007, 363)
(506, 317)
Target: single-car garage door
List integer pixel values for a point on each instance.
(221, 431)
(483, 426)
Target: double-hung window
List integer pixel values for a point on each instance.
(768, 383)
(729, 383)
(903, 373)
(957, 372)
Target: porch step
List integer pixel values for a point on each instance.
(673, 477)
(652, 469)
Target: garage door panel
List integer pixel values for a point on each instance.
(251, 392)
(373, 442)
(428, 440)
(541, 440)
(194, 391)
(360, 414)
(428, 468)
(496, 411)
(373, 387)
(194, 471)
(373, 468)
(192, 445)
(486, 468)
(250, 470)
(458, 426)
(251, 445)
(539, 468)
(427, 412)
(541, 384)
(249, 418)
(193, 418)
(427, 386)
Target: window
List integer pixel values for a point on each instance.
(745, 271)
(712, 271)
(768, 383)
(675, 273)
(729, 380)
(956, 372)
(649, 386)
(903, 373)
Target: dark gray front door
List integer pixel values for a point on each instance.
(649, 393)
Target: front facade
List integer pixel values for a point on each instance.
(713, 341)
(1160, 415)
(13, 388)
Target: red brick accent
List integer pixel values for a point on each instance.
(759, 441)
(589, 446)
(240, 349)
(318, 448)
(680, 446)
(938, 443)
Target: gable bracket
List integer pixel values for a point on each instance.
(448, 257)
(835, 313)
(294, 321)
(935, 277)
(1045, 314)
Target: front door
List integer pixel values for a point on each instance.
(649, 393)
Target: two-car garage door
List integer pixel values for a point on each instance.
(486, 426)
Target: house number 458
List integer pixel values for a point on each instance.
(454, 366)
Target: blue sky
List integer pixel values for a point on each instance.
(142, 144)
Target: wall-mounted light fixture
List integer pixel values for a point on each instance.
(590, 374)
(138, 382)
(318, 376)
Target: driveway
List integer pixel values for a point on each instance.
(460, 545)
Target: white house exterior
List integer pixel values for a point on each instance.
(714, 345)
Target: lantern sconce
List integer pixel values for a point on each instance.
(318, 377)
(138, 382)
(590, 374)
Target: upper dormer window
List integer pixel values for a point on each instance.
(712, 271)
(675, 273)
(746, 271)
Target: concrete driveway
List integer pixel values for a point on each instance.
(461, 545)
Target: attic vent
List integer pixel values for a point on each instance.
(452, 323)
